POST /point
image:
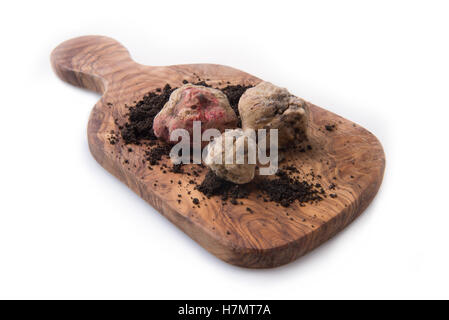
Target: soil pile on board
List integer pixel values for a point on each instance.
(140, 118)
(285, 190)
(213, 185)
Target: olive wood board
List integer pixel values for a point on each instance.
(270, 235)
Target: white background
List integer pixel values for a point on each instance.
(68, 229)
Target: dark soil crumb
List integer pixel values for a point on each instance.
(213, 185)
(330, 127)
(156, 153)
(234, 93)
(291, 168)
(285, 190)
(113, 139)
(140, 118)
(177, 168)
(202, 83)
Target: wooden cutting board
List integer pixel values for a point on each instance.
(269, 236)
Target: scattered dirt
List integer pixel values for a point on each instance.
(177, 168)
(285, 190)
(155, 154)
(113, 138)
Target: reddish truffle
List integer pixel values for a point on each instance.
(191, 103)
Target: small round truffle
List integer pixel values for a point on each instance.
(191, 103)
(216, 157)
(267, 106)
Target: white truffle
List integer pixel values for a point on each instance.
(267, 106)
(216, 158)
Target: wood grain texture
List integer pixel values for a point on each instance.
(271, 235)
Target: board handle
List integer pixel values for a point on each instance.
(91, 61)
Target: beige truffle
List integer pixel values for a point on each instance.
(215, 159)
(267, 106)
